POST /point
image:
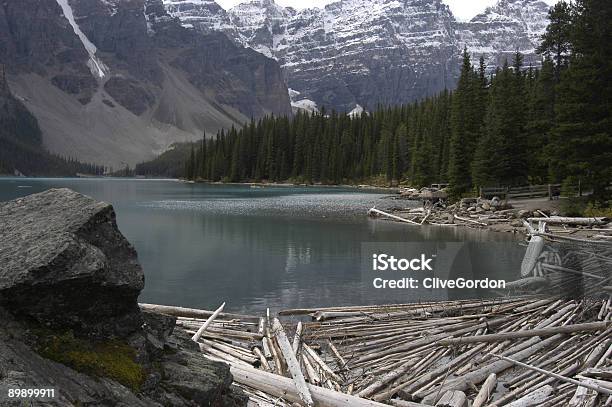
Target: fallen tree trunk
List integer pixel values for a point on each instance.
(292, 363)
(388, 215)
(206, 324)
(279, 386)
(191, 312)
(480, 375)
(485, 392)
(559, 220)
(591, 326)
(587, 384)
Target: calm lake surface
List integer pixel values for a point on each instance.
(277, 247)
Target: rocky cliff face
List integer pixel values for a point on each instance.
(507, 27)
(365, 52)
(69, 283)
(117, 81)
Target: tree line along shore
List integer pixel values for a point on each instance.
(518, 125)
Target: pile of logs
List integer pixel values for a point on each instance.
(517, 351)
(479, 213)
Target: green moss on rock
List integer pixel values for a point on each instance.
(112, 359)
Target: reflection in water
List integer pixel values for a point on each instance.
(277, 247)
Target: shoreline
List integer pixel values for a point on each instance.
(516, 217)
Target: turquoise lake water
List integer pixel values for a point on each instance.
(277, 247)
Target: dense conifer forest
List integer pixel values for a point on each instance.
(514, 126)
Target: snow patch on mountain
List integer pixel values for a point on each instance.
(300, 104)
(96, 66)
(371, 51)
(501, 30)
(306, 105)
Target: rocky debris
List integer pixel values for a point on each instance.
(69, 318)
(129, 94)
(179, 376)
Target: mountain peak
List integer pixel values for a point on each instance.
(366, 52)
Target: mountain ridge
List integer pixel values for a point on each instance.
(117, 82)
(357, 52)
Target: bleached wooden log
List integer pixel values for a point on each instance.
(426, 216)
(191, 312)
(313, 376)
(470, 221)
(587, 327)
(292, 364)
(341, 361)
(410, 386)
(265, 343)
(321, 363)
(297, 339)
(247, 357)
(534, 249)
(206, 324)
(583, 397)
(604, 358)
(535, 398)
(386, 379)
(208, 350)
(262, 359)
(597, 373)
(478, 376)
(388, 215)
(574, 239)
(278, 363)
(453, 398)
(485, 391)
(560, 220)
(405, 403)
(283, 387)
(597, 388)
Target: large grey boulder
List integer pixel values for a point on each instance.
(64, 263)
(69, 284)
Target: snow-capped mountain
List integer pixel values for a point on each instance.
(368, 52)
(116, 82)
(507, 27)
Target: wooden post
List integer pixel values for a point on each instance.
(550, 196)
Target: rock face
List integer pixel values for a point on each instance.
(64, 262)
(501, 30)
(118, 81)
(366, 52)
(67, 272)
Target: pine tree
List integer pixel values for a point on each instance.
(466, 122)
(556, 40)
(581, 140)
